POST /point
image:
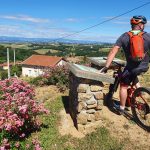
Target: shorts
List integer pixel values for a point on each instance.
(127, 78)
(129, 75)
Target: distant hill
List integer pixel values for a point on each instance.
(6, 39)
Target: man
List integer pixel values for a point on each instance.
(132, 68)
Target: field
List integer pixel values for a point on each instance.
(44, 51)
(58, 132)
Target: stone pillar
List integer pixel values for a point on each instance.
(86, 101)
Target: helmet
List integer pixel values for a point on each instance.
(138, 19)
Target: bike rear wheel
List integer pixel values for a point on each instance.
(140, 106)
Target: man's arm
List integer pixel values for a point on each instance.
(111, 55)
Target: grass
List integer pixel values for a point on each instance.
(50, 138)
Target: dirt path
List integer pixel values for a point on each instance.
(119, 126)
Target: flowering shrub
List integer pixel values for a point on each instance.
(18, 109)
(56, 76)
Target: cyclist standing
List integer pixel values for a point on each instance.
(133, 68)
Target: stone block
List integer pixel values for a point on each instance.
(95, 88)
(100, 102)
(82, 88)
(99, 95)
(82, 118)
(84, 96)
(99, 107)
(91, 106)
(91, 101)
(91, 117)
(81, 106)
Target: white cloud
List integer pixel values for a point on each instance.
(25, 18)
(18, 31)
(72, 20)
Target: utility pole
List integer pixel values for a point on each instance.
(14, 57)
(15, 61)
(8, 65)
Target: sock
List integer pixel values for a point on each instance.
(122, 107)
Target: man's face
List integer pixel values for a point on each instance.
(141, 26)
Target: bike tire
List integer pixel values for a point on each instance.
(140, 106)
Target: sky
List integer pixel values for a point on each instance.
(60, 18)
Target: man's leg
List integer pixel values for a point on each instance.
(123, 95)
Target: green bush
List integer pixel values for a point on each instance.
(39, 81)
(3, 74)
(58, 76)
(16, 70)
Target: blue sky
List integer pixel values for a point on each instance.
(58, 18)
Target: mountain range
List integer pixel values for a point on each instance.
(6, 39)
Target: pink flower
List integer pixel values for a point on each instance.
(22, 135)
(17, 144)
(8, 127)
(23, 109)
(2, 148)
(37, 147)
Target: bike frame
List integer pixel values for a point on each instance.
(113, 87)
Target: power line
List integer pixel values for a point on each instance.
(93, 26)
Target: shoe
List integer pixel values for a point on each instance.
(119, 111)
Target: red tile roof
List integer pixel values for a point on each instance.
(11, 63)
(42, 60)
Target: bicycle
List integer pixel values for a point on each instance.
(137, 98)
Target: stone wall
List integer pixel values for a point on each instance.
(86, 102)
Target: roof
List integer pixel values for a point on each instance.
(11, 63)
(42, 60)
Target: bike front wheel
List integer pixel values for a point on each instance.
(140, 106)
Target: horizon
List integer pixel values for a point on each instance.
(56, 19)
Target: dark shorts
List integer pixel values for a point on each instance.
(129, 75)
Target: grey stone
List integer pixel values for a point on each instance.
(82, 88)
(100, 102)
(91, 101)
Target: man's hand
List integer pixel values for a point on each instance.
(104, 70)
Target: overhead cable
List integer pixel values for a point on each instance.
(93, 26)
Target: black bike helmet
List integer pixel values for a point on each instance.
(138, 19)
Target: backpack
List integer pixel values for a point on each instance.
(136, 46)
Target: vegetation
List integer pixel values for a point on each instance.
(21, 54)
(50, 138)
(14, 71)
(64, 50)
(18, 111)
(57, 76)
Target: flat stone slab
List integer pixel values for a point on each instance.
(100, 61)
(89, 73)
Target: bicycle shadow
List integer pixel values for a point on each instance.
(109, 103)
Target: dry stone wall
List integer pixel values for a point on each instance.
(86, 102)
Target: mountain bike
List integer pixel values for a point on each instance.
(137, 98)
